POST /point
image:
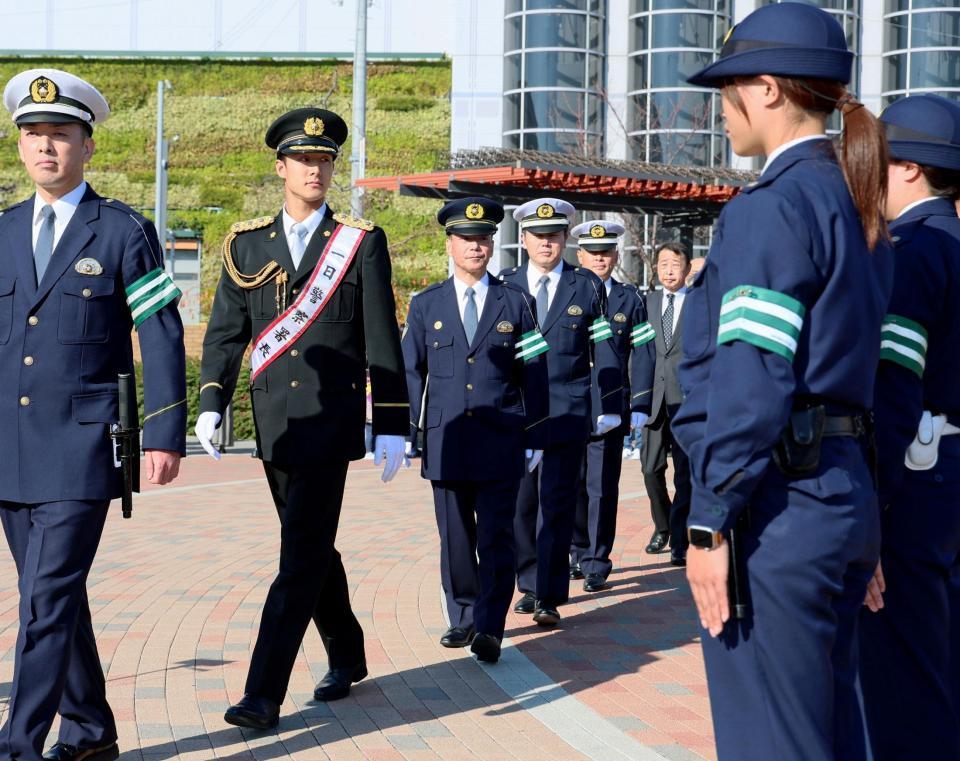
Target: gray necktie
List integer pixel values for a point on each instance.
(300, 233)
(543, 304)
(667, 321)
(44, 248)
(470, 316)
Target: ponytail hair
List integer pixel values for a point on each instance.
(863, 148)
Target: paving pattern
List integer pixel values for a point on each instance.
(176, 596)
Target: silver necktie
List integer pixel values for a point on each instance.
(44, 248)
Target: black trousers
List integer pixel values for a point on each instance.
(310, 582)
(543, 525)
(475, 521)
(595, 525)
(56, 664)
(670, 517)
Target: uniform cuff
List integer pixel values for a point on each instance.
(709, 510)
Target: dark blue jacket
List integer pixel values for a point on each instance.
(579, 301)
(62, 345)
(484, 406)
(794, 233)
(926, 291)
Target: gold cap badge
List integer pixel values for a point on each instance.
(545, 211)
(313, 126)
(574, 310)
(474, 211)
(504, 327)
(42, 90)
(598, 231)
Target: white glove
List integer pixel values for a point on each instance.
(606, 423)
(206, 424)
(638, 420)
(533, 459)
(389, 451)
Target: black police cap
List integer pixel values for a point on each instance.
(307, 130)
(470, 216)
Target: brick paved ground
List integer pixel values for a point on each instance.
(176, 595)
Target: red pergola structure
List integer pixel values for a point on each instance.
(684, 196)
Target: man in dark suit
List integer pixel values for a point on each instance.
(77, 273)
(595, 525)
(570, 304)
(475, 360)
(665, 310)
(312, 289)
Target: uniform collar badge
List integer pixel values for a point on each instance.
(88, 267)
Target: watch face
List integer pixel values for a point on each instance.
(701, 537)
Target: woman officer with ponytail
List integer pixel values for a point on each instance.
(782, 343)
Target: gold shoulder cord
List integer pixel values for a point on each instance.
(272, 270)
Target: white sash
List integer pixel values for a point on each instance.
(284, 331)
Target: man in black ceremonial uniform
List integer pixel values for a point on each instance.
(311, 289)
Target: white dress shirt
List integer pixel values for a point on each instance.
(480, 289)
(64, 208)
(608, 286)
(533, 280)
(678, 298)
(311, 223)
(787, 146)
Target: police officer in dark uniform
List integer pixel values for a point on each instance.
(570, 305)
(311, 289)
(475, 360)
(910, 643)
(781, 344)
(596, 519)
(78, 273)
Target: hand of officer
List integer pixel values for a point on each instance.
(638, 420)
(875, 589)
(707, 573)
(533, 459)
(389, 451)
(606, 423)
(206, 424)
(162, 466)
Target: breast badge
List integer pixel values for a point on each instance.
(619, 317)
(504, 327)
(574, 310)
(88, 267)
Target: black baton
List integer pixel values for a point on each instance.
(127, 436)
(739, 603)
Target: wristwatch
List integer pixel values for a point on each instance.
(704, 537)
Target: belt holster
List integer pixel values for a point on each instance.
(797, 453)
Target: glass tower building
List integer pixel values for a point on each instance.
(921, 48)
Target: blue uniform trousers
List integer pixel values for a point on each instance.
(782, 683)
(56, 666)
(310, 582)
(477, 555)
(907, 650)
(543, 525)
(595, 524)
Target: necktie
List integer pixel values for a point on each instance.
(470, 316)
(543, 304)
(44, 248)
(299, 243)
(667, 321)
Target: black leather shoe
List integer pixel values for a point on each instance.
(254, 713)
(594, 583)
(486, 647)
(678, 559)
(546, 615)
(575, 572)
(658, 543)
(65, 752)
(526, 604)
(457, 637)
(336, 683)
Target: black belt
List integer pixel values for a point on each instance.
(844, 425)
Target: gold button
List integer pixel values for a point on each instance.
(33, 319)
(619, 332)
(87, 293)
(436, 344)
(295, 291)
(294, 352)
(470, 360)
(353, 386)
(574, 326)
(24, 401)
(28, 361)
(469, 387)
(469, 413)
(294, 384)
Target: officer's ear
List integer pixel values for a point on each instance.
(89, 146)
(448, 243)
(281, 167)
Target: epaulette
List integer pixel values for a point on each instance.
(431, 287)
(251, 224)
(351, 221)
(113, 203)
(11, 208)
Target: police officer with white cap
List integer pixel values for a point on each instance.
(596, 520)
(571, 304)
(77, 273)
